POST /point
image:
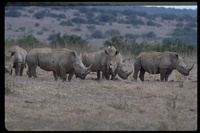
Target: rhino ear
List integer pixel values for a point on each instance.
(106, 52)
(117, 52)
(12, 53)
(75, 53)
(176, 55)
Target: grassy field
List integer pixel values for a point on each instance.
(44, 104)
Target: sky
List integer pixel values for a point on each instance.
(177, 7)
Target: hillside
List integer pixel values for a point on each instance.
(96, 25)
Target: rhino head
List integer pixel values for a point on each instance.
(182, 68)
(81, 71)
(111, 54)
(122, 72)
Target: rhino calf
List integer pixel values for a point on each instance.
(17, 60)
(159, 62)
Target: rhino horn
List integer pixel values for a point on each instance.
(89, 69)
(189, 69)
(130, 73)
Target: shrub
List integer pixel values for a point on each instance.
(13, 13)
(130, 36)
(191, 24)
(39, 15)
(77, 29)
(97, 34)
(37, 24)
(66, 23)
(106, 18)
(112, 32)
(150, 35)
(69, 41)
(78, 20)
(179, 24)
(92, 21)
(91, 27)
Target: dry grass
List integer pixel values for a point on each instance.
(45, 104)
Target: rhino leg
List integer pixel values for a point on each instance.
(104, 72)
(33, 71)
(70, 76)
(104, 77)
(17, 69)
(98, 74)
(55, 75)
(141, 76)
(63, 74)
(163, 74)
(21, 71)
(137, 68)
(28, 72)
(113, 76)
(167, 74)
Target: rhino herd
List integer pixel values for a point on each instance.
(107, 61)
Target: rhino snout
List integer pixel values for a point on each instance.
(81, 76)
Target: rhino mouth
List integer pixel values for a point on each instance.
(81, 76)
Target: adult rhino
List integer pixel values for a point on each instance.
(107, 61)
(60, 61)
(17, 60)
(88, 59)
(159, 62)
(69, 62)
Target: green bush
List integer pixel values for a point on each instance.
(91, 27)
(69, 41)
(106, 18)
(127, 46)
(97, 34)
(37, 24)
(13, 13)
(149, 35)
(180, 24)
(66, 23)
(78, 20)
(26, 41)
(112, 32)
(39, 15)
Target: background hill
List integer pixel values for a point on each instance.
(96, 24)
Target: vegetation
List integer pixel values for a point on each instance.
(26, 41)
(127, 46)
(66, 23)
(69, 41)
(13, 13)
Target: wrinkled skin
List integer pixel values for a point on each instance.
(60, 61)
(17, 60)
(69, 62)
(38, 57)
(162, 63)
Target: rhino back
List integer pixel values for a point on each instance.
(40, 57)
(64, 59)
(150, 61)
